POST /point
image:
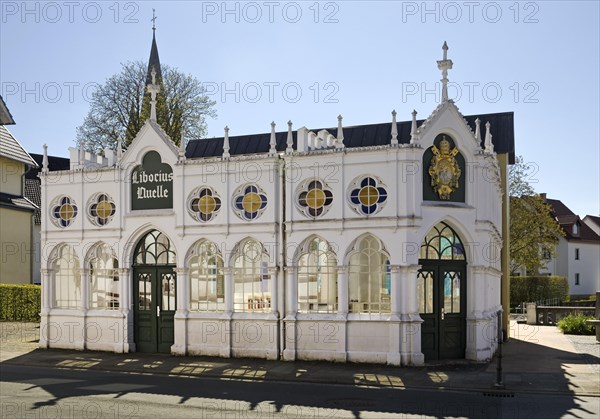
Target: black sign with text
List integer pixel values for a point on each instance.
(152, 184)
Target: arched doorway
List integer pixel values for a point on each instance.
(441, 287)
(154, 290)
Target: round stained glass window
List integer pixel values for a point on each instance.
(101, 209)
(204, 204)
(368, 195)
(63, 211)
(249, 202)
(314, 198)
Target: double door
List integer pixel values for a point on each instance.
(155, 304)
(442, 306)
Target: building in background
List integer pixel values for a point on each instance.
(33, 192)
(577, 253)
(16, 211)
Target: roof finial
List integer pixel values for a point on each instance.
(339, 141)
(153, 20)
(413, 128)
(445, 64)
(119, 148)
(489, 146)
(226, 154)
(45, 160)
(273, 140)
(290, 139)
(478, 130)
(394, 128)
(182, 146)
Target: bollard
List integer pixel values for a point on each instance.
(499, 384)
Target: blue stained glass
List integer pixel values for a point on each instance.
(354, 196)
(238, 202)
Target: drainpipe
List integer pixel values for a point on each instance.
(282, 257)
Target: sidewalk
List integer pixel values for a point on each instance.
(537, 359)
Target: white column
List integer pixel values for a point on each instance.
(126, 302)
(410, 327)
(84, 304)
(289, 322)
(85, 290)
(180, 343)
(342, 272)
(47, 283)
(229, 290)
(396, 291)
(291, 291)
(273, 277)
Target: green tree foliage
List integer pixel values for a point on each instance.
(121, 106)
(537, 288)
(534, 232)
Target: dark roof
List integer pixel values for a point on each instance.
(594, 218)
(11, 149)
(154, 61)
(54, 163)
(15, 202)
(502, 129)
(5, 116)
(567, 218)
(33, 192)
(33, 189)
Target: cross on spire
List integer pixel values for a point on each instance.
(153, 20)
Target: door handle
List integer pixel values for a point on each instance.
(157, 311)
(443, 312)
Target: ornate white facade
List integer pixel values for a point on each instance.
(314, 249)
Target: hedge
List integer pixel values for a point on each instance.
(21, 303)
(576, 324)
(536, 288)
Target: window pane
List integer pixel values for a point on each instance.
(67, 279)
(104, 280)
(425, 291)
(369, 279)
(145, 291)
(207, 281)
(251, 279)
(317, 279)
(168, 291)
(452, 292)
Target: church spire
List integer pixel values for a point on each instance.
(154, 61)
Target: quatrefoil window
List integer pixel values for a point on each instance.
(102, 209)
(368, 195)
(249, 202)
(204, 204)
(314, 198)
(64, 211)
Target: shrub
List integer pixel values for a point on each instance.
(575, 324)
(536, 288)
(20, 303)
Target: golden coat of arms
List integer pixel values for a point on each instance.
(444, 169)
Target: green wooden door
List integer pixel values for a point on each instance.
(442, 303)
(155, 293)
(155, 308)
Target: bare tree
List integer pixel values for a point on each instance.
(120, 107)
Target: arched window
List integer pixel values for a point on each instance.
(442, 243)
(251, 278)
(369, 278)
(207, 289)
(317, 279)
(154, 249)
(104, 279)
(67, 279)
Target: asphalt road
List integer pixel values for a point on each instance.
(33, 392)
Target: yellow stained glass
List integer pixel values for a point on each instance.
(251, 202)
(315, 198)
(368, 195)
(66, 212)
(207, 204)
(104, 209)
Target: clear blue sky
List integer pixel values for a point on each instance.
(310, 61)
